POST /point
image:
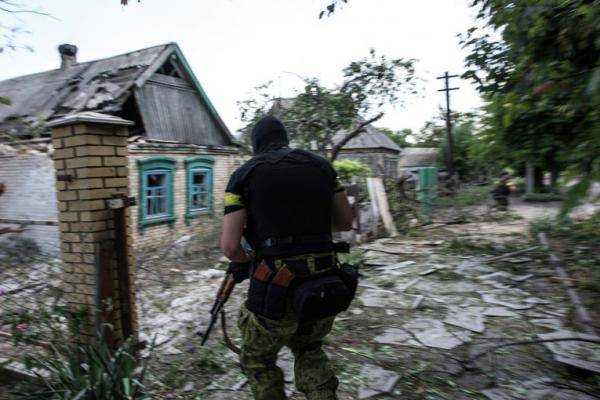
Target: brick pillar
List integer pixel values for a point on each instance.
(90, 157)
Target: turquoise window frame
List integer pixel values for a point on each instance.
(205, 165)
(149, 166)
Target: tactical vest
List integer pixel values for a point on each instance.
(289, 195)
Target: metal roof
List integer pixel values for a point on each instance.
(418, 157)
(86, 85)
(371, 139)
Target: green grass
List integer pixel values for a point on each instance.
(542, 197)
(354, 258)
(469, 196)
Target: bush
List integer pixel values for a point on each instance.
(354, 258)
(469, 196)
(542, 197)
(92, 372)
(347, 169)
(564, 227)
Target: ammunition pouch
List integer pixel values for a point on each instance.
(317, 288)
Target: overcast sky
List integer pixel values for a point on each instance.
(235, 45)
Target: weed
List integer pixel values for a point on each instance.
(467, 246)
(542, 197)
(354, 258)
(469, 196)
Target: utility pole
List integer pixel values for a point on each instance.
(450, 150)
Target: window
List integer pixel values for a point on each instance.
(156, 190)
(156, 194)
(199, 172)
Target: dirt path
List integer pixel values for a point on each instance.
(426, 305)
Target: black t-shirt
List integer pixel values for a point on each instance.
(286, 194)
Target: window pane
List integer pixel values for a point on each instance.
(199, 178)
(157, 179)
(199, 190)
(156, 194)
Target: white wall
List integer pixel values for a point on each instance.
(30, 196)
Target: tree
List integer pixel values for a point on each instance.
(317, 113)
(537, 64)
(399, 137)
(11, 27)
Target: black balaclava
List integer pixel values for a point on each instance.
(268, 134)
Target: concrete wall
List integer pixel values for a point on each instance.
(29, 197)
(205, 225)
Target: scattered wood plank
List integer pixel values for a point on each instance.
(582, 314)
(377, 194)
(515, 253)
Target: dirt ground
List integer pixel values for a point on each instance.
(429, 306)
(430, 309)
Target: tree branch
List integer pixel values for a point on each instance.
(359, 129)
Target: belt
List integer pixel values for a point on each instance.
(304, 265)
(272, 242)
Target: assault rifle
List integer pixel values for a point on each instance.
(222, 296)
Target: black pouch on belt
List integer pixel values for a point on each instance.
(257, 292)
(321, 297)
(276, 299)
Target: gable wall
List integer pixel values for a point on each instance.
(172, 110)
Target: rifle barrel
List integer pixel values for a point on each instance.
(207, 332)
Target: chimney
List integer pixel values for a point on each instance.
(68, 55)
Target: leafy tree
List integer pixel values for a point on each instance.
(399, 137)
(11, 26)
(537, 64)
(347, 169)
(317, 112)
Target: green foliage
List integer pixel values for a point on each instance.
(94, 372)
(565, 228)
(354, 258)
(542, 197)
(467, 246)
(316, 112)
(347, 169)
(538, 68)
(330, 9)
(399, 137)
(468, 196)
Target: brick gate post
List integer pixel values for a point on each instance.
(90, 158)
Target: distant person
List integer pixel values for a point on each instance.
(501, 192)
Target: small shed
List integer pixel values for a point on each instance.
(374, 148)
(413, 158)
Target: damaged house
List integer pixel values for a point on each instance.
(180, 152)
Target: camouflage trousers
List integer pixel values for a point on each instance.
(262, 340)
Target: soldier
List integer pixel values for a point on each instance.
(285, 203)
(501, 192)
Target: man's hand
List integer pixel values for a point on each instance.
(239, 270)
